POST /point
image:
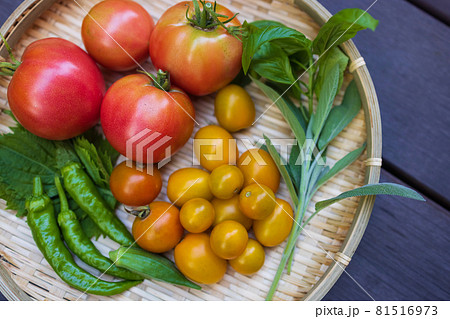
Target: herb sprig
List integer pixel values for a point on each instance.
(274, 57)
(24, 156)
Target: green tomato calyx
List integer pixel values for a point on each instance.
(160, 81)
(207, 19)
(8, 68)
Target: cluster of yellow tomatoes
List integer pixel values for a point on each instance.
(227, 199)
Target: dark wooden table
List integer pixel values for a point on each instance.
(404, 252)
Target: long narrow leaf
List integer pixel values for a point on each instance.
(341, 164)
(341, 115)
(326, 98)
(282, 168)
(288, 114)
(372, 189)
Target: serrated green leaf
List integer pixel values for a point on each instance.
(372, 189)
(341, 115)
(341, 27)
(22, 157)
(325, 63)
(282, 168)
(326, 98)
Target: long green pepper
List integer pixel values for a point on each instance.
(83, 191)
(44, 227)
(80, 244)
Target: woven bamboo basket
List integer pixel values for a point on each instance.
(328, 242)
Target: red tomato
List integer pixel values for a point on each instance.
(57, 91)
(148, 119)
(200, 61)
(116, 33)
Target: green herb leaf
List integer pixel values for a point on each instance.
(341, 115)
(372, 189)
(256, 38)
(102, 144)
(326, 63)
(294, 168)
(282, 168)
(22, 157)
(262, 24)
(340, 165)
(326, 98)
(92, 161)
(91, 229)
(288, 114)
(341, 27)
(272, 63)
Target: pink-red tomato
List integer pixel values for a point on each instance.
(116, 33)
(200, 61)
(149, 120)
(57, 91)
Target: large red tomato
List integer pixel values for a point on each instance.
(149, 120)
(116, 33)
(57, 91)
(201, 60)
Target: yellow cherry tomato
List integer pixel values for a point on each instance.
(214, 146)
(197, 215)
(196, 260)
(234, 108)
(228, 209)
(275, 228)
(251, 260)
(257, 201)
(228, 239)
(226, 181)
(188, 183)
(258, 167)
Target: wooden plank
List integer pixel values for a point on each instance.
(403, 254)
(439, 9)
(407, 57)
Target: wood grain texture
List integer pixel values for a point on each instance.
(439, 9)
(407, 57)
(403, 254)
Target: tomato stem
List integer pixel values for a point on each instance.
(142, 211)
(161, 80)
(208, 19)
(8, 68)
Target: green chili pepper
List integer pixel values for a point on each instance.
(81, 245)
(42, 221)
(83, 191)
(150, 266)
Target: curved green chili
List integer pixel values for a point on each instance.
(81, 245)
(42, 221)
(83, 191)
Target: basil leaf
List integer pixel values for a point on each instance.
(282, 168)
(262, 24)
(325, 63)
(326, 98)
(372, 189)
(340, 165)
(256, 38)
(272, 63)
(341, 115)
(288, 114)
(341, 27)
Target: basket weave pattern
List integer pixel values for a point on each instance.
(316, 247)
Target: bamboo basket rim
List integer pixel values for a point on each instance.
(32, 9)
